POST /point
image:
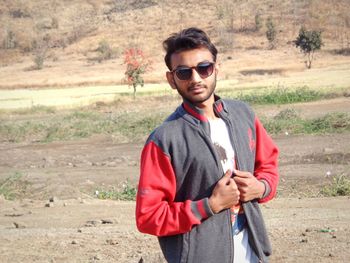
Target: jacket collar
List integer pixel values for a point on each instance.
(199, 113)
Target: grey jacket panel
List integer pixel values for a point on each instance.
(211, 242)
(186, 140)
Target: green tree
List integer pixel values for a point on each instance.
(308, 41)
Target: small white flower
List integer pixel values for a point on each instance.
(328, 173)
(97, 192)
(286, 133)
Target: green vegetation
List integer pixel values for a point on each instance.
(105, 51)
(271, 32)
(309, 41)
(289, 121)
(281, 96)
(16, 132)
(40, 50)
(12, 186)
(10, 40)
(258, 21)
(340, 186)
(132, 126)
(33, 110)
(126, 193)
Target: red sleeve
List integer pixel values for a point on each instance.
(266, 161)
(156, 212)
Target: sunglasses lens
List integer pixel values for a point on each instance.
(184, 73)
(205, 69)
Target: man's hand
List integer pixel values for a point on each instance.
(225, 194)
(249, 187)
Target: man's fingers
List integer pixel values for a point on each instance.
(239, 180)
(241, 173)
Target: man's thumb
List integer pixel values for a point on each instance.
(228, 173)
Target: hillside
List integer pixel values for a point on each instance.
(67, 34)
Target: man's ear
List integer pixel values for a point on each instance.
(171, 80)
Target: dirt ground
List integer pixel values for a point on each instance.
(78, 227)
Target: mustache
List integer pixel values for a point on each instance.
(196, 86)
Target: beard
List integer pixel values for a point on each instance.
(197, 99)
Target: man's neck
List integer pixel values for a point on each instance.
(208, 108)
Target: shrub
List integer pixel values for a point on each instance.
(40, 51)
(39, 59)
(126, 193)
(271, 32)
(258, 21)
(105, 51)
(13, 187)
(136, 65)
(340, 186)
(10, 41)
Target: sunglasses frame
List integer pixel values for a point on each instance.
(175, 71)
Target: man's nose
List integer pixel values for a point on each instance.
(195, 76)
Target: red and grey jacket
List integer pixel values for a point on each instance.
(179, 169)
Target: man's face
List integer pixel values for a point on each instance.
(197, 89)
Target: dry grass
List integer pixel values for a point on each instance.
(74, 30)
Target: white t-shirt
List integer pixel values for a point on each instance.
(221, 140)
(222, 144)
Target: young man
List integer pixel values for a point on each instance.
(205, 170)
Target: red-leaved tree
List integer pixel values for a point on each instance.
(136, 65)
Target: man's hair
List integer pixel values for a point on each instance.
(187, 39)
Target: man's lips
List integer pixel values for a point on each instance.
(197, 88)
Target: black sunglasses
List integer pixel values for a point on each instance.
(204, 69)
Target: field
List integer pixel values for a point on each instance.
(71, 133)
(306, 223)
